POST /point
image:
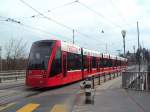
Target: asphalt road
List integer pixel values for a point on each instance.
(63, 97)
(19, 98)
(14, 91)
(45, 99)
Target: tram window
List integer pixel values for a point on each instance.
(113, 62)
(120, 63)
(116, 63)
(56, 64)
(101, 63)
(85, 62)
(97, 64)
(105, 62)
(93, 62)
(39, 55)
(77, 61)
(73, 61)
(110, 63)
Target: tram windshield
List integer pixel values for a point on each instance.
(39, 55)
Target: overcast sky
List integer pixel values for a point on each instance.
(111, 16)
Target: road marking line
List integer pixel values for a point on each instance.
(28, 108)
(59, 108)
(6, 106)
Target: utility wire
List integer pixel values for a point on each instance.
(66, 4)
(98, 14)
(33, 28)
(46, 16)
(63, 25)
(50, 10)
(118, 12)
(41, 30)
(2, 20)
(58, 23)
(57, 7)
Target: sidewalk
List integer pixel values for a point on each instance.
(110, 97)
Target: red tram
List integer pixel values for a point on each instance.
(54, 62)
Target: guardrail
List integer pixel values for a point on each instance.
(12, 75)
(91, 81)
(19, 74)
(136, 80)
(97, 78)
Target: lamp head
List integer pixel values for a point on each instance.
(123, 32)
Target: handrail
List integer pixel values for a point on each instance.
(14, 75)
(135, 80)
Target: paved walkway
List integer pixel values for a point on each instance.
(109, 97)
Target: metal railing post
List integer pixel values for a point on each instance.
(104, 78)
(114, 75)
(93, 81)
(135, 80)
(99, 80)
(109, 76)
(124, 79)
(146, 78)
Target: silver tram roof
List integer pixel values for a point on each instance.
(69, 47)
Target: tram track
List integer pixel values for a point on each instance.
(27, 93)
(22, 92)
(6, 104)
(16, 94)
(6, 100)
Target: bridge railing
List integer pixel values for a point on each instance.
(135, 80)
(12, 75)
(99, 77)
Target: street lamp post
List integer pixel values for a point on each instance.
(123, 32)
(134, 54)
(73, 36)
(139, 58)
(1, 58)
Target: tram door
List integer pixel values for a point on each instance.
(64, 63)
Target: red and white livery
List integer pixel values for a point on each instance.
(54, 62)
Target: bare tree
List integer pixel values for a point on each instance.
(15, 51)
